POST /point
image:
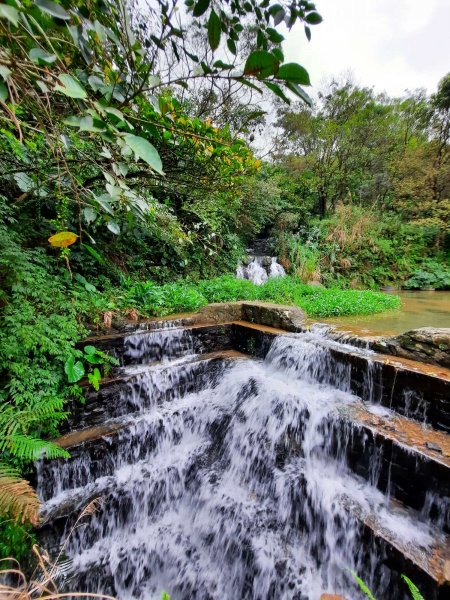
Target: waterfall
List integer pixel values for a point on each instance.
(236, 487)
(259, 269)
(276, 270)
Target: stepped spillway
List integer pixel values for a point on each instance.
(238, 461)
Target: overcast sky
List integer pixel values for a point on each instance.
(391, 45)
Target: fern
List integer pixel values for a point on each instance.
(415, 593)
(31, 448)
(17, 497)
(363, 586)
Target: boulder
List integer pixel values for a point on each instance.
(427, 344)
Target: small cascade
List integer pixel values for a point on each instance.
(259, 269)
(276, 270)
(227, 483)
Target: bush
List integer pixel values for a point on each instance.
(431, 274)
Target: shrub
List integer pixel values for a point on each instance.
(431, 274)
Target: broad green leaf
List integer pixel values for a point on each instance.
(42, 86)
(96, 83)
(298, 91)
(41, 57)
(74, 370)
(273, 87)
(274, 36)
(10, 13)
(114, 111)
(5, 72)
(24, 182)
(313, 18)
(72, 121)
(113, 227)
(248, 84)
(93, 125)
(3, 92)
(90, 214)
(53, 9)
(143, 149)
(104, 201)
(278, 53)
(231, 46)
(214, 30)
(278, 13)
(90, 349)
(94, 379)
(201, 7)
(219, 64)
(295, 73)
(261, 63)
(70, 87)
(93, 252)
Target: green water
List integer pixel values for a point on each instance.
(419, 309)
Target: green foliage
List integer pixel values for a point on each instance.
(228, 289)
(160, 300)
(430, 274)
(413, 589)
(15, 541)
(357, 248)
(153, 300)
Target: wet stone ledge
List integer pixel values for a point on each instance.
(427, 344)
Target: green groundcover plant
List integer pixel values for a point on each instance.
(151, 299)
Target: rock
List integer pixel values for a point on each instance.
(427, 344)
(221, 312)
(289, 318)
(331, 597)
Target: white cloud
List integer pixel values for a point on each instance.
(391, 46)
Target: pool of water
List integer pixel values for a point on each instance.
(419, 309)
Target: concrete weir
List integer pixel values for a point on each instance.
(239, 456)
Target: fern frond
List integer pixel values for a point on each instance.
(363, 586)
(415, 593)
(17, 497)
(31, 448)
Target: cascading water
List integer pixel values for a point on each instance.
(237, 490)
(259, 269)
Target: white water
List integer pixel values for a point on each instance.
(276, 270)
(234, 491)
(256, 272)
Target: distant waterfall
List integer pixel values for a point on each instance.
(259, 269)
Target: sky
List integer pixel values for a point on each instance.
(391, 45)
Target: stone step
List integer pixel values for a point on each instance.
(412, 461)
(154, 345)
(427, 565)
(415, 390)
(135, 388)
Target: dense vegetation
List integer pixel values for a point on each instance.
(129, 186)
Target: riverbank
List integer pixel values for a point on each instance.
(418, 309)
